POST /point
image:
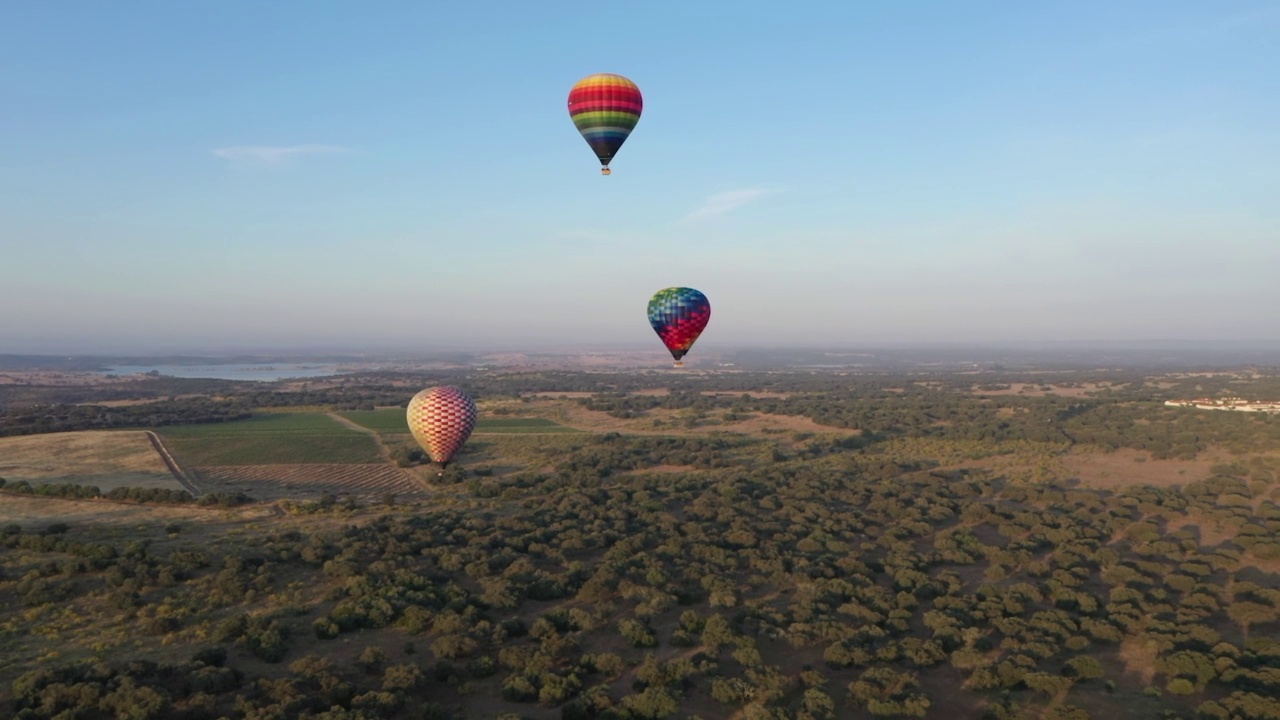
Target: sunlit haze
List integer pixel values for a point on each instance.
(405, 175)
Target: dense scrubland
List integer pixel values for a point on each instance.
(929, 552)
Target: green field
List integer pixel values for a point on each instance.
(272, 438)
(268, 423)
(392, 420)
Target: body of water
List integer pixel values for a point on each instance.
(264, 373)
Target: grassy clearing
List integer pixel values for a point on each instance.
(274, 423)
(119, 521)
(392, 421)
(503, 453)
(388, 420)
(521, 425)
(515, 451)
(105, 458)
(53, 455)
(1125, 467)
(277, 450)
(276, 438)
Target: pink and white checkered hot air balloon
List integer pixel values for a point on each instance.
(441, 419)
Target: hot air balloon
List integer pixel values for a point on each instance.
(678, 315)
(605, 108)
(441, 419)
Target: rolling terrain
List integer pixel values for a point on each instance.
(819, 547)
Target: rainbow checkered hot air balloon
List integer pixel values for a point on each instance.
(678, 315)
(605, 108)
(441, 419)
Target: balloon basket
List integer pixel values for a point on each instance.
(677, 364)
(605, 171)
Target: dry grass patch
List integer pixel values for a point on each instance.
(1125, 467)
(1266, 565)
(106, 458)
(72, 453)
(1139, 655)
(661, 421)
(1211, 532)
(661, 469)
(1035, 390)
(765, 424)
(659, 392)
(570, 413)
(32, 510)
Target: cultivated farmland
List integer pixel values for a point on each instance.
(271, 438)
(275, 482)
(296, 455)
(392, 421)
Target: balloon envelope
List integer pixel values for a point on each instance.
(605, 108)
(678, 315)
(441, 419)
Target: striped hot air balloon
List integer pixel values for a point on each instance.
(679, 315)
(605, 108)
(441, 419)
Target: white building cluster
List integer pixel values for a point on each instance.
(1228, 403)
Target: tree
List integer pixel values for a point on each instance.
(131, 701)
(1246, 613)
(816, 705)
(1083, 667)
(651, 703)
(638, 633)
(371, 660)
(401, 677)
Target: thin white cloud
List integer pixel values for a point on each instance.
(274, 155)
(725, 202)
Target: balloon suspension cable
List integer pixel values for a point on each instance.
(605, 170)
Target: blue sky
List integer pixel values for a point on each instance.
(218, 175)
